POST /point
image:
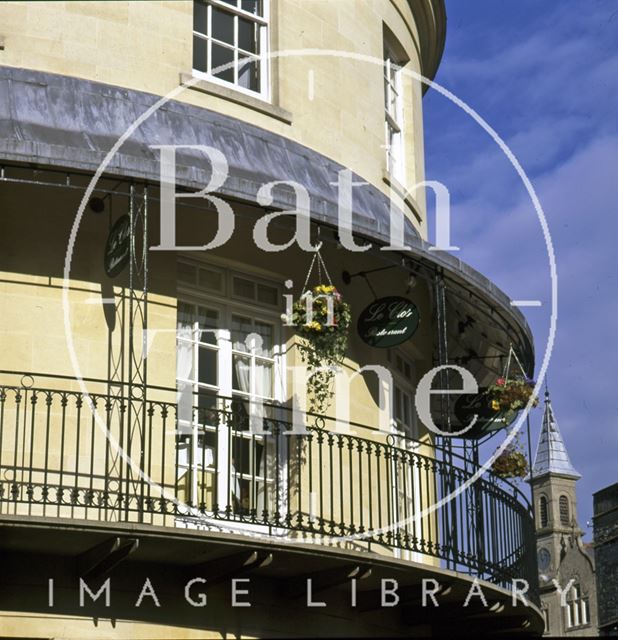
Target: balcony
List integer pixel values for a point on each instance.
(362, 489)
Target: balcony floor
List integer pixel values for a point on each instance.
(35, 549)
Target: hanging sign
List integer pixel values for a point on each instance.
(487, 419)
(117, 247)
(388, 322)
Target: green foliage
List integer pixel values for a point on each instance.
(324, 340)
(511, 463)
(512, 394)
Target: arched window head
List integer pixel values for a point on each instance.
(543, 511)
(564, 511)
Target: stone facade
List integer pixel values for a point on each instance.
(606, 553)
(566, 564)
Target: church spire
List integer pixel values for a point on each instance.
(551, 454)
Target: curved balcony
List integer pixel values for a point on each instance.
(138, 461)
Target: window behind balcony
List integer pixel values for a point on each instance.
(230, 43)
(403, 413)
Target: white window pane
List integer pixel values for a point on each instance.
(209, 322)
(406, 410)
(264, 379)
(184, 400)
(267, 295)
(248, 73)
(199, 16)
(222, 62)
(256, 7)
(398, 402)
(187, 273)
(244, 288)
(241, 328)
(241, 374)
(209, 279)
(184, 360)
(266, 332)
(248, 35)
(200, 54)
(185, 318)
(207, 366)
(222, 27)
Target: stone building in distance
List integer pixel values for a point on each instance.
(563, 558)
(606, 554)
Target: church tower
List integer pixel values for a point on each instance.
(562, 556)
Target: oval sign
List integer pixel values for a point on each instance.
(117, 247)
(387, 322)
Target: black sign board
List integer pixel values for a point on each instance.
(388, 322)
(117, 247)
(487, 419)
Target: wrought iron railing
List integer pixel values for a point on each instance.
(63, 454)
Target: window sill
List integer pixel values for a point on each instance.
(399, 189)
(213, 89)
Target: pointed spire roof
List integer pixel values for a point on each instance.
(551, 454)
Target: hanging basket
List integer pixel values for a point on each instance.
(497, 405)
(322, 320)
(511, 464)
(324, 323)
(511, 394)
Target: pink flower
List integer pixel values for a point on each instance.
(500, 382)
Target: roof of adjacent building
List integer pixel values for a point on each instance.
(551, 453)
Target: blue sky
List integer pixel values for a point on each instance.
(545, 77)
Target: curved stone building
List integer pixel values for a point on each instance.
(167, 170)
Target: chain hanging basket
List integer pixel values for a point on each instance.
(497, 405)
(511, 463)
(322, 321)
(511, 392)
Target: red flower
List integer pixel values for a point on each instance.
(500, 382)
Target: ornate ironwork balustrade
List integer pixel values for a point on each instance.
(66, 454)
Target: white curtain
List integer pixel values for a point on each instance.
(262, 387)
(267, 465)
(184, 369)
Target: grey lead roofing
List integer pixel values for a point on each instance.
(551, 453)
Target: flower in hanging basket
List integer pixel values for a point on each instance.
(511, 394)
(322, 319)
(321, 310)
(511, 463)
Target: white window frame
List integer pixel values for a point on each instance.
(405, 386)
(227, 306)
(393, 116)
(264, 48)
